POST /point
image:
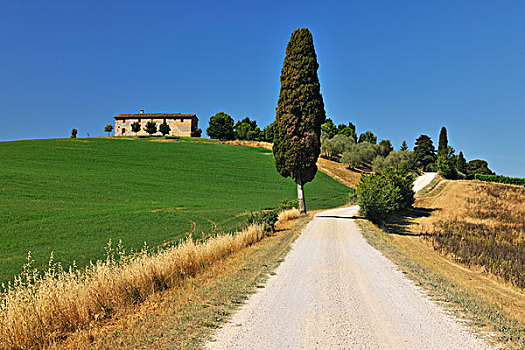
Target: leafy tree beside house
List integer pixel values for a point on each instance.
(135, 127)
(196, 132)
(220, 127)
(108, 128)
(164, 129)
(299, 114)
(150, 127)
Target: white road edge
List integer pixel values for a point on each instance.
(334, 291)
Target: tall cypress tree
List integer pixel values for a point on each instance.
(299, 113)
(443, 143)
(461, 164)
(445, 165)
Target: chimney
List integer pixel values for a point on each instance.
(141, 111)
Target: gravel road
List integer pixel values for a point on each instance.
(422, 181)
(334, 291)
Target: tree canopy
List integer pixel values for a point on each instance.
(368, 136)
(300, 113)
(220, 127)
(424, 153)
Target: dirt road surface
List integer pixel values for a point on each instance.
(334, 291)
(423, 181)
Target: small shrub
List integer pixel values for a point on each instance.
(286, 204)
(151, 127)
(382, 194)
(266, 218)
(500, 179)
(73, 133)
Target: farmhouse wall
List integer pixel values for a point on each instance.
(180, 124)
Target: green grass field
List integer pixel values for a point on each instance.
(71, 196)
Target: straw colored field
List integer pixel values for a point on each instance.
(71, 196)
(475, 213)
(479, 224)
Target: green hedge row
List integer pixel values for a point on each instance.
(501, 179)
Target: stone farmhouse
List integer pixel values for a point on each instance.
(180, 124)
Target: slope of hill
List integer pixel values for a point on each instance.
(71, 196)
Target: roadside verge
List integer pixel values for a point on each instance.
(184, 317)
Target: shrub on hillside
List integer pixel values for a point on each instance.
(73, 133)
(500, 179)
(266, 218)
(385, 193)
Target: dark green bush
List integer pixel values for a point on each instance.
(500, 179)
(385, 193)
(267, 218)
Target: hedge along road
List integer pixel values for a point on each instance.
(334, 291)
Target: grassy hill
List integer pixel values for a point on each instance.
(71, 196)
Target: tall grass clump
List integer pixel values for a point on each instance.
(38, 309)
(287, 215)
(483, 225)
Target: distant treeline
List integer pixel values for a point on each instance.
(501, 179)
(343, 144)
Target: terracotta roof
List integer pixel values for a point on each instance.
(155, 115)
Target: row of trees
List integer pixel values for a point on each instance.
(151, 128)
(365, 152)
(444, 160)
(221, 126)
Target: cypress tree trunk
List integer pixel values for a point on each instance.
(300, 197)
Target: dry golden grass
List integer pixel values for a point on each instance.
(479, 212)
(287, 215)
(40, 309)
(479, 224)
(186, 316)
(339, 172)
(256, 144)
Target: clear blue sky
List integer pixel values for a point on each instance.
(398, 68)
